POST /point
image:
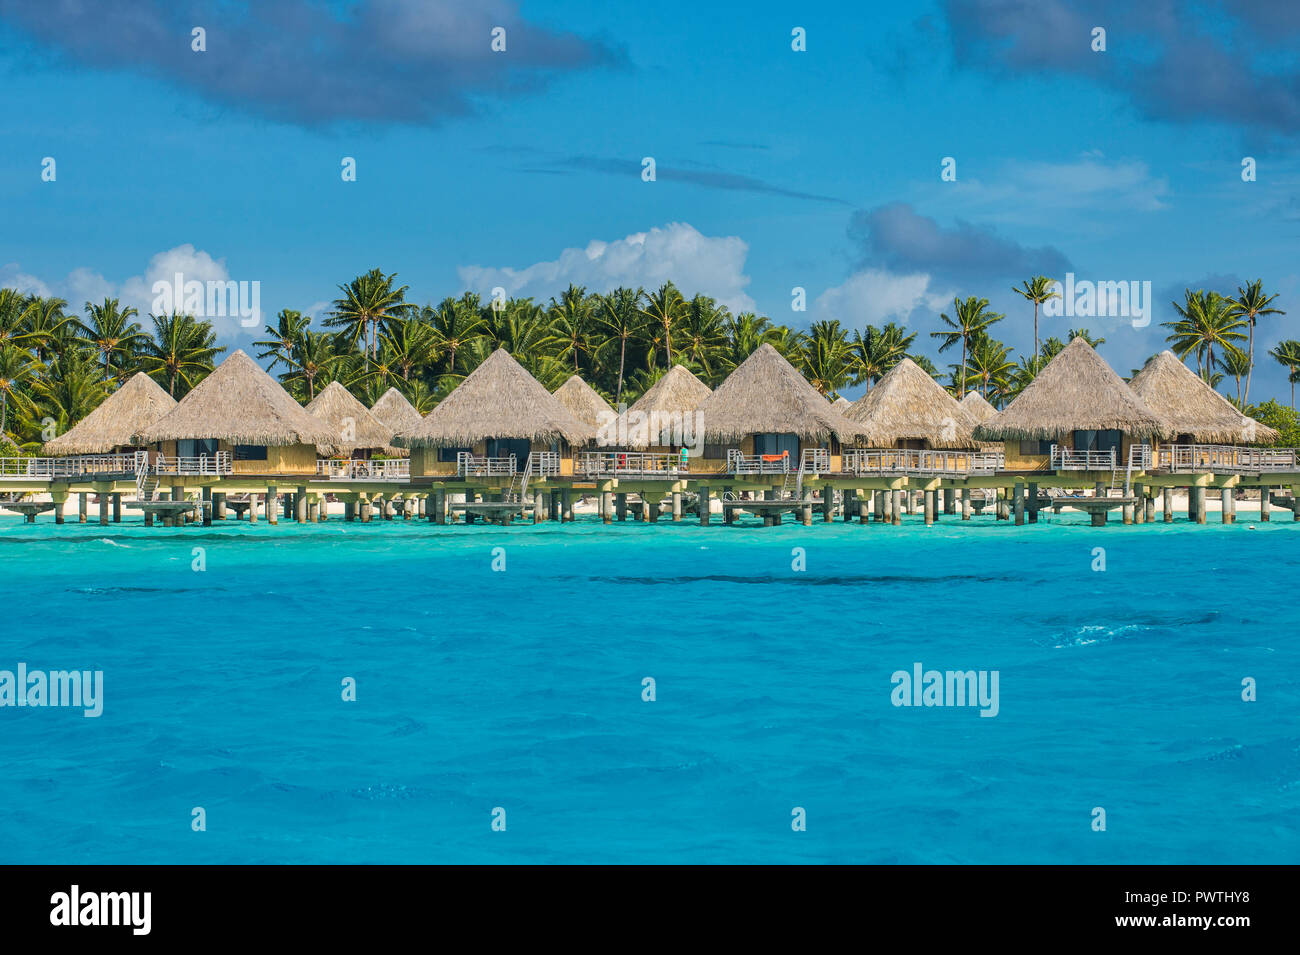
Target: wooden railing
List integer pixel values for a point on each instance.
(815, 461)
(75, 466)
(1065, 459)
(1180, 458)
(647, 464)
(910, 461)
(738, 463)
(543, 463)
(360, 469)
(469, 465)
(201, 465)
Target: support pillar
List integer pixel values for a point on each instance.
(1033, 503)
(1019, 491)
(929, 507)
(300, 505)
(1139, 509)
(620, 506)
(949, 501)
(1263, 503)
(705, 508)
(82, 499)
(207, 506)
(607, 506)
(828, 504)
(677, 505)
(849, 504)
(252, 508)
(272, 499)
(1127, 510)
(1225, 505)
(218, 505)
(805, 508)
(1198, 495)
(59, 501)
(539, 506)
(1295, 502)
(878, 506)
(965, 504)
(1167, 504)
(897, 506)
(566, 505)
(103, 509)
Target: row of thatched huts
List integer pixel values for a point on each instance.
(765, 408)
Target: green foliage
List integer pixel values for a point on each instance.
(1278, 416)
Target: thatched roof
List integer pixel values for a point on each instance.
(1077, 391)
(765, 394)
(241, 404)
(351, 422)
(908, 405)
(395, 411)
(1191, 406)
(677, 392)
(584, 403)
(978, 407)
(136, 405)
(499, 399)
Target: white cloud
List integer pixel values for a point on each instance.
(12, 276)
(713, 265)
(876, 296)
(82, 285)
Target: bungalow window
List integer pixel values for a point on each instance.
(1036, 447)
(193, 448)
(715, 452)
(1098, 440)
(451, 455)
(776, 444)
(250, 452)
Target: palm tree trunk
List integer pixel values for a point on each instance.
(1250, 367)
(668, 346)
(4, 408)
(1035, 336)
(622, 353)
(963, 369)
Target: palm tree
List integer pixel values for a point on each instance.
(570, 329)
(1037, 290)
(112, 333)
(1288, 353)
(663, 309)
(281, 338)
(619, 314)
(313, 362)
(1250, 304)
(1087, 336)
(702, 336)
(17, 369)
(973, 320)
(368, 302)
(1204, 325)
(455, 322)
(874, 352)
(826, 357)
(181, 351)
(47, 326)
(988, 364)
(408, 344)
(72, 387)
(1236, 363)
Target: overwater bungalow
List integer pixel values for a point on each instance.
(396, 412)
(909, 409)
(361, 439)
(239, 421)
(584, 403)
(490, 425)
(1076, 415)
(664, 418)
(764, 417)
(110, 429)
(1196, 413)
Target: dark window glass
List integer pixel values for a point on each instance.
(449, 455)
(250, 452)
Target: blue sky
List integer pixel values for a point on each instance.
(776, 168)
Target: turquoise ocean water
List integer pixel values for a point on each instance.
(522, 689)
